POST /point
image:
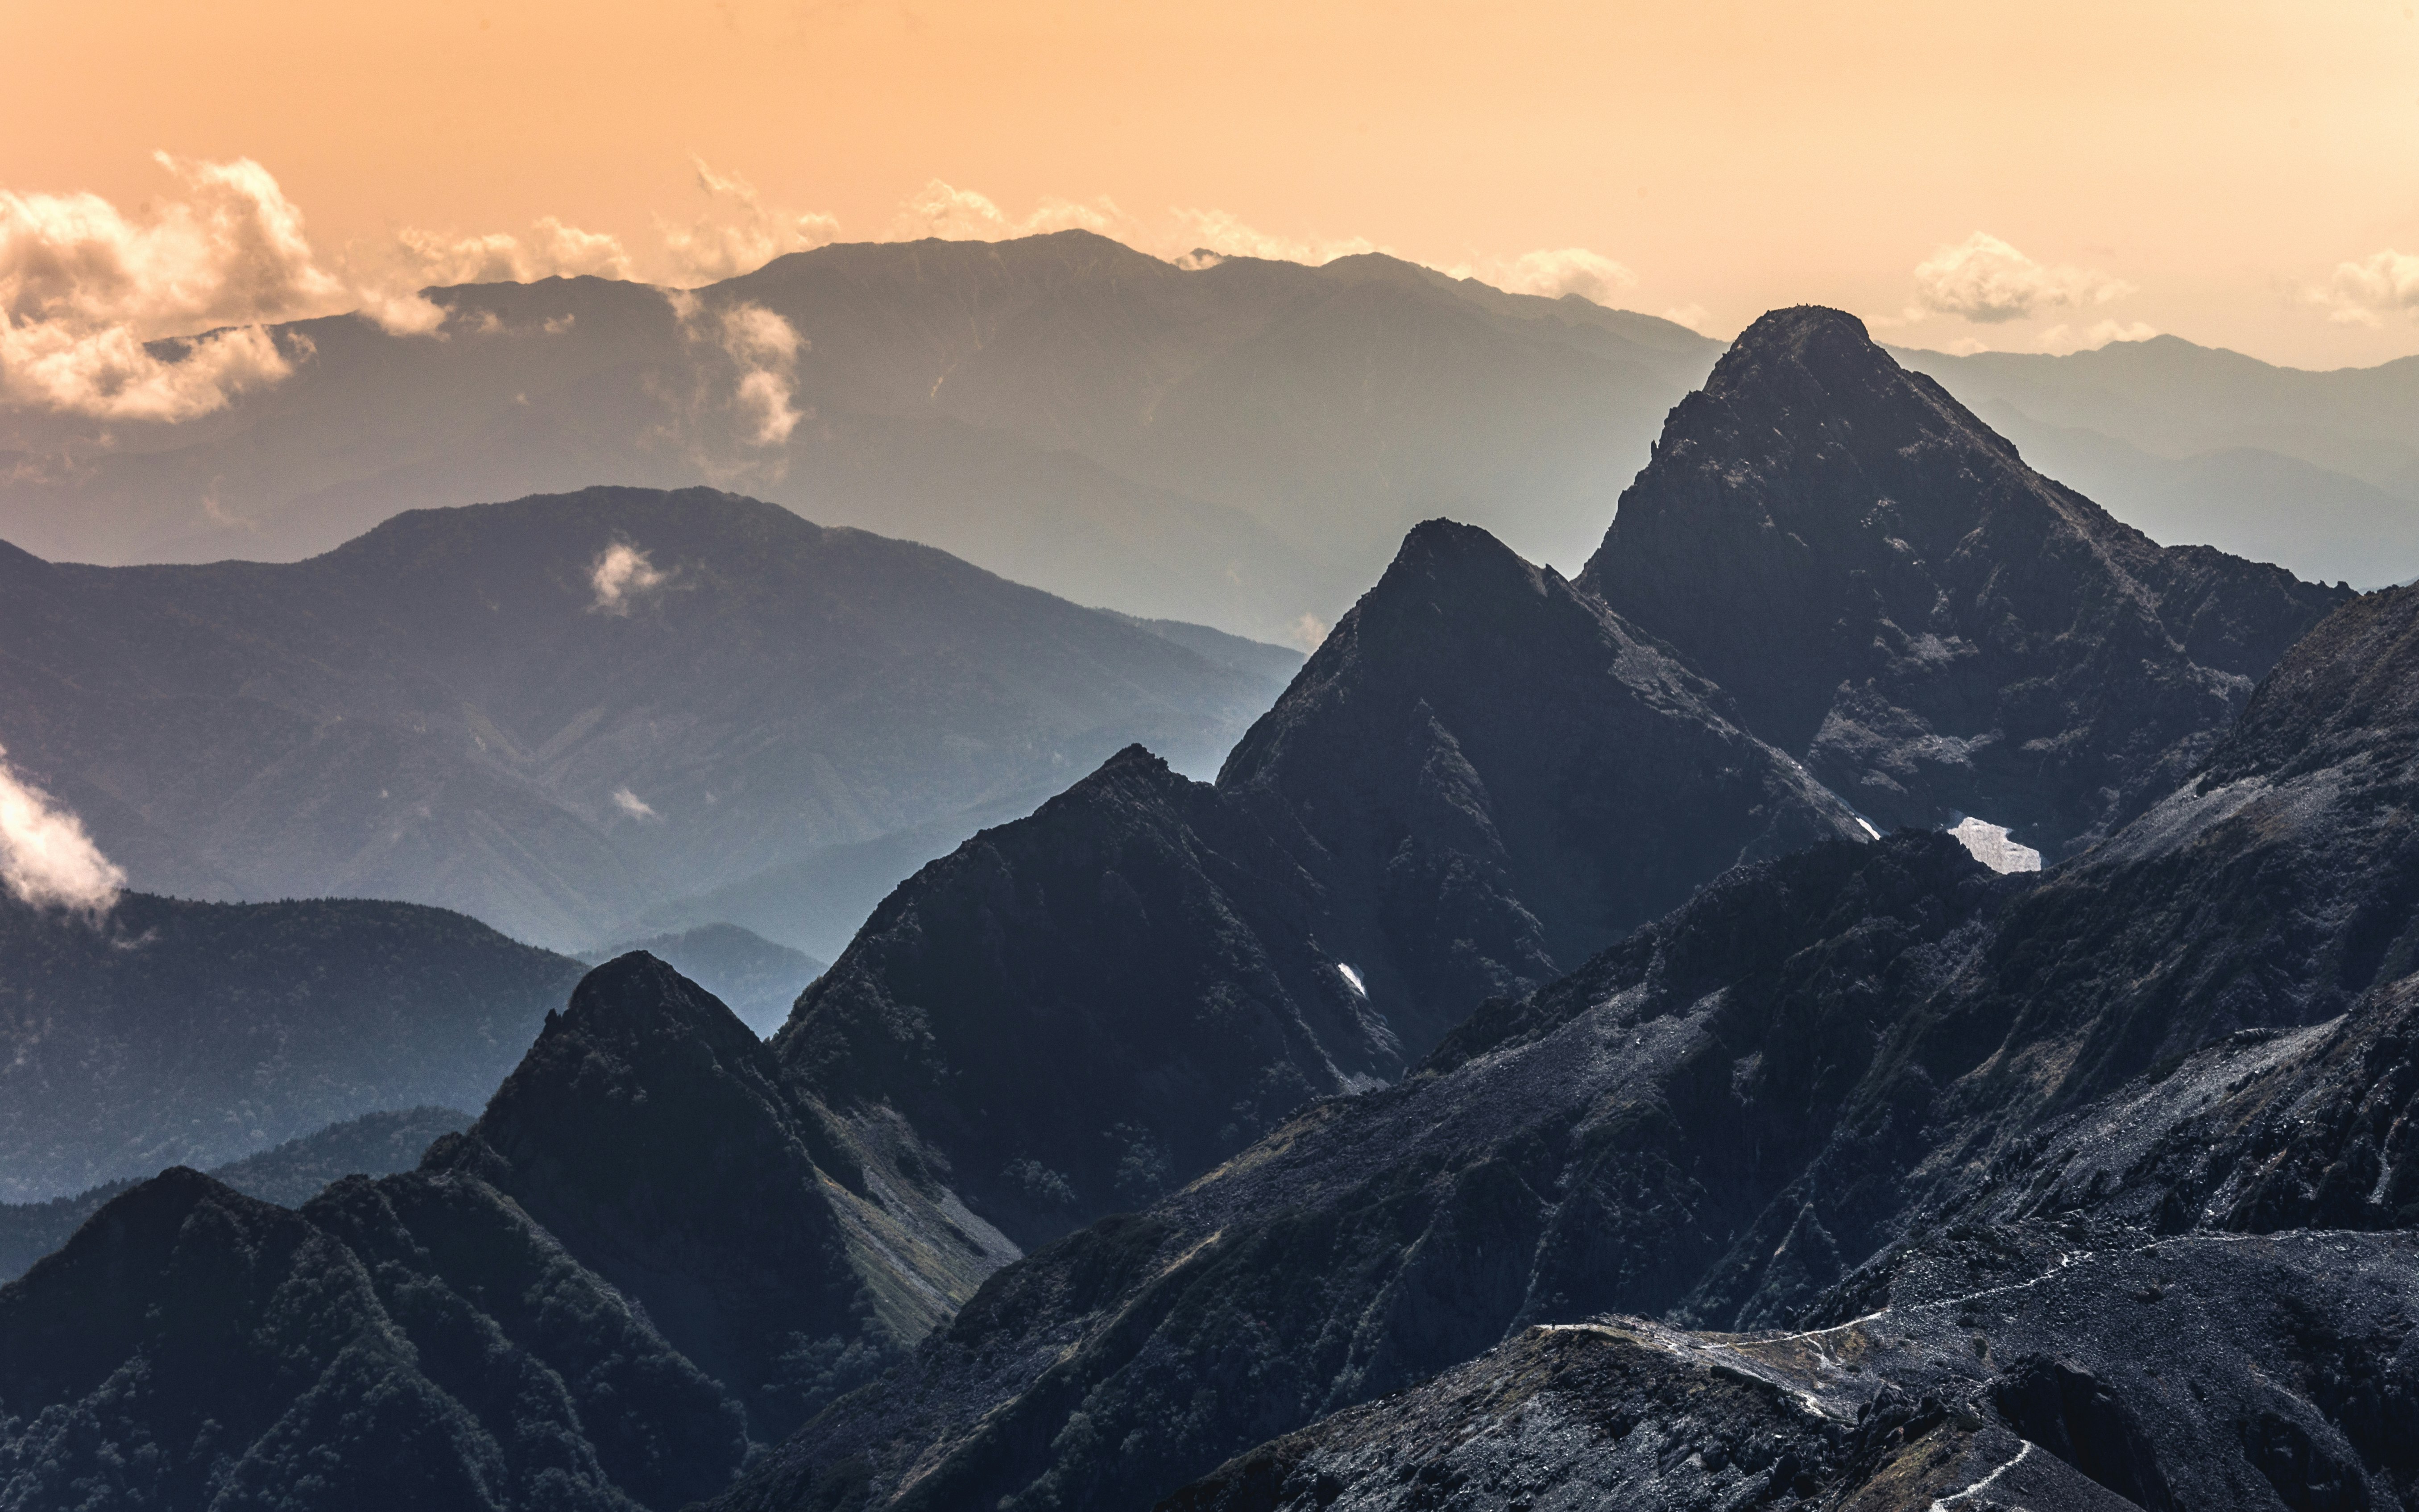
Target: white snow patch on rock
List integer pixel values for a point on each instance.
(1989, 844)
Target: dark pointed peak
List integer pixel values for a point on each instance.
(636, 999)
(1443, 553)
(1809, 333)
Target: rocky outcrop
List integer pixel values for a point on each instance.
(1932, 627)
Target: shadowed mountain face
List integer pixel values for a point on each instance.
(754, 977)
(1868, 1083)
(1241, 442)
(560, 713)
(647, 1257)
(1480, 774)
(290, 1175)
(1891, 594)
(177, 1032)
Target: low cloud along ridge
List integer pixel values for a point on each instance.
(46, 858)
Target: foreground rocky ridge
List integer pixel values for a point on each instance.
(1717, 1122)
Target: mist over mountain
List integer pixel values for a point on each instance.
(1932, 626)
(1239, 443)
(564, 714)
(191, 1033)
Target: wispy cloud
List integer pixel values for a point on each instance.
(1556, 272)
(765, 349)
(953, 214)
(631, 804)
(1984, 280)
(620, 574)
(46, 858)
(2066, 338)
(2365, 292)
(85, 288)
(737, 234)
(1223, 234)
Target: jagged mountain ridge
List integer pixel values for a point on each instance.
(1479, 773)
(1893, 596)
(175, 1032)
(455, 709)
(1717, 1121)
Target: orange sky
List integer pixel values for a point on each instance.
(2202, 168)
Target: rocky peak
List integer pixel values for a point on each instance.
(1937, 630)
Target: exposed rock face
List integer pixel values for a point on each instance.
(188, 1033)
(1492, 779)
(1935, 628)
(653, 1134)
(1718, 1120)
(1085, 1009)
(1481, 775)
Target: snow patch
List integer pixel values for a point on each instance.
(1989, 844)
(1352, 978)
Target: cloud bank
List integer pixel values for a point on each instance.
(1984, 280)
(2365, 292)
(46, 858)
(85, 289)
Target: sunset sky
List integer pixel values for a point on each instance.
(2244, 175)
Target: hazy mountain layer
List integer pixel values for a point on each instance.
(1239, 443)
(288, 1175)
(754, 977)
(562, 713)
(175, 1033)
(1932, 626)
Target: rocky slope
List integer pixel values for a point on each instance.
(1480, 774)
(559, 713)
(2194, 1030)
(647, 1259)
(1935, 630)
(174, 1033)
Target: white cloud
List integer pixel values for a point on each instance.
(765, 347)
(553, 250)
(83, 288)
(2065, 338)
(1695, 317)
(1307, 632)
(953, 214)
(1223, 234)
(623, 572)
(631, 804)
(1590, 276)
(1984, 280)
(737, 234)
(2365, 292)
(46, 858)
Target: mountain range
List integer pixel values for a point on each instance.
(1526, 1076)
(1236, 441)
(567, 713)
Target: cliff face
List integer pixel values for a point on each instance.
(1892, 595)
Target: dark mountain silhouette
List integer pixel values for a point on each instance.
(649, 1254)
(754, 977)
(175, 1032)
(456, 709)
(1830, 1087)
(1935, 628)
(288, 1175)
(1481, 773)
(1241, 442)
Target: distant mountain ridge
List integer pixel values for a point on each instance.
(1237, 444)
(465, 708)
